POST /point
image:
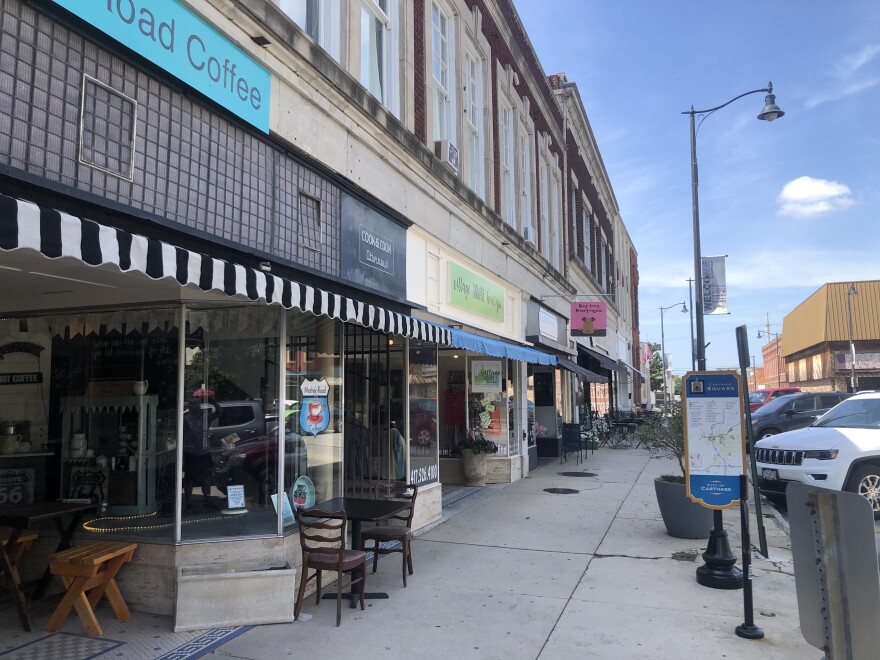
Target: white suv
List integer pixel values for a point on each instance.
(840, 451)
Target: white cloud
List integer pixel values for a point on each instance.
(852, 63)
(806, 197)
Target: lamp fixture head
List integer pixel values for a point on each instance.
(852, 290)
(684, 308)
(771, 111)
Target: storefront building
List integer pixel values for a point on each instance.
(247, 266)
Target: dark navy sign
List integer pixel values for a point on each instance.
(713, 430)
(373, 249)
(174, 38)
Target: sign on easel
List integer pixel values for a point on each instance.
(714, 448)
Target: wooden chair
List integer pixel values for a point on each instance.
(323, 548)
(90, 567)
(399, 530)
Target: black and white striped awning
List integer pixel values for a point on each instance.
(25, 225)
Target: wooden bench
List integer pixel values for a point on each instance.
(90, 567)
(13, 544)
(22, 544)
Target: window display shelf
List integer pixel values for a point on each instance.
(26, 455)
(114, 428)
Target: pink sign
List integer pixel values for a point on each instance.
(589, 319)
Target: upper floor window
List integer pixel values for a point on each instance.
(508, 203)
(555, 242)
(525, 178)
(544, 176)
(473, 71)
(377, 50)
(441, 72)
(587, 229)
(320, 19)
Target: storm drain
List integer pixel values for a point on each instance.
(576, 474)
(562, 491)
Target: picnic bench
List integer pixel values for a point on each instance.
(91, 567)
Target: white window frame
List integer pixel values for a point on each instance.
(474, 123)
(442, 92)
(544, 180)
(506, 137)
(555, 220)
(526, 177)
(587, 229)
(328, 14)
(387, 73)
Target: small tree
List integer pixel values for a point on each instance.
(663, 434)
(656, 367)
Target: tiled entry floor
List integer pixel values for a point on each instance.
(145, 637)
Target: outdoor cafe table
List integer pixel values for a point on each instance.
(358, 510)
(19, 518)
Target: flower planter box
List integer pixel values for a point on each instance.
(221, 595)
(684, 518)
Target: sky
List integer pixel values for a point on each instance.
(792, 203)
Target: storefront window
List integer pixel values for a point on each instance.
(423, 437)
(91, 403)
(486, 401)
(313, 410)
(230, 452)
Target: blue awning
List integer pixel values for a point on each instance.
(497, 348)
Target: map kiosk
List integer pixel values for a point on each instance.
(714, 445)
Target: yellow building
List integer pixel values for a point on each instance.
(832, 339)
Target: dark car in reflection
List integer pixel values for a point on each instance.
(423, 420)
(253, 462)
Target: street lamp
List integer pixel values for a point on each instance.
(775, 336)
(719, 570)
(691, 301)
(770, 112)
(852, 345)
(684, 310)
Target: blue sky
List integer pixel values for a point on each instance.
(792, 203)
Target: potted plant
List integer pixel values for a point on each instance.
(663, 436)
(475, 449)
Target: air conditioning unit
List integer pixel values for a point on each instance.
(447, 152)
(530, 235)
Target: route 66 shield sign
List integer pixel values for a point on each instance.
(314, 415)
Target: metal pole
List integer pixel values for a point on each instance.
(663, 359)
(691, 303)
(748, 629)
(698, 277)
(852, 345)
(778, 374)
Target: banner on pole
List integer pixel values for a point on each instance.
(714, 283)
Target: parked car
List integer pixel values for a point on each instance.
(244, 418)
(423, 420)
(253, 462)
(839, 451)
(758, 398)
(793, 411)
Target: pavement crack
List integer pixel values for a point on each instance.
(600, 556)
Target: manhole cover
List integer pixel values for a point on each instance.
(562, 491)
(576, 474)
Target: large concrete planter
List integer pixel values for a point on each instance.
(684, 519)
(217, 596)
(475, 467)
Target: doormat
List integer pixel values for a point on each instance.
(62, 646)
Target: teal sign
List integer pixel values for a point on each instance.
(184, 45)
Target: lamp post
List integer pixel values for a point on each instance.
(719, 570)
(684, 309)
(775, 336)
(852, 346)
(691, 303)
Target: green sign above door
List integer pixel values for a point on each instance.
(476, 294)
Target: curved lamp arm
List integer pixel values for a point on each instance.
(768, 89)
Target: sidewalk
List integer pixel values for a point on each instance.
(516, 572)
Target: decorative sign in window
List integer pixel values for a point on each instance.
(485, 376)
